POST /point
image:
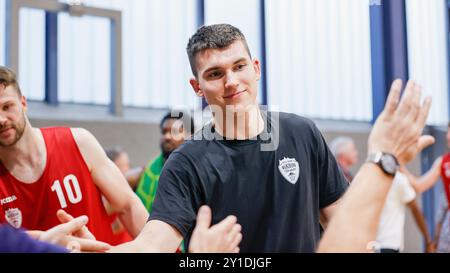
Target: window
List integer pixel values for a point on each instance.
(428, 54)
(318, 58)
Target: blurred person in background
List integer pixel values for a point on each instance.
(346, 154)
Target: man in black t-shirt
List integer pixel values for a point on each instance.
(273, 171)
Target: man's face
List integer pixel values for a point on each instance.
(12, 116)
(352, 154)
(227, 77)
(349, 156)
(172, 135)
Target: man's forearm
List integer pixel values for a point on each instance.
(134, 217)
(357, 209)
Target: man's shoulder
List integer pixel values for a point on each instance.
(293, 119)
(290, 123)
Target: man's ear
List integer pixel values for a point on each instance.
(24, 103)
(257, 68)
(196, 87)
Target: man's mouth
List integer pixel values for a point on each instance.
(6, 130)
(234, 95)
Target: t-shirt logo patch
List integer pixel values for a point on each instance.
(14, 217)
(289, 169)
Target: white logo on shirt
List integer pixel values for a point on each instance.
(8, 199)
(14, 217)
(289, 169)
(447, 169)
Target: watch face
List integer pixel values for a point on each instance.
(389, 163)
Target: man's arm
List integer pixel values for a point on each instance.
(158, 236)
(155, 237)
(111, 183)
(426, 181)
(420, 220)
(328, 212)
(397, 131)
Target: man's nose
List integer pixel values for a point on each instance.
(231, 81)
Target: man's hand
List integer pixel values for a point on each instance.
(399, 127)
(223, 237)
(84, 232)
(63, 235)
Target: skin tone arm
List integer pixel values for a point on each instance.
(426, 181)
(327, 213)
(397, 131)
(111, 183)
(158, 236)
(420, 220)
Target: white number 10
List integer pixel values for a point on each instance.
(69, 182)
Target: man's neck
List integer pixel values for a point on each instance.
(28, 151)
(240, 125)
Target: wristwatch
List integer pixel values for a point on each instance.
(387, 162)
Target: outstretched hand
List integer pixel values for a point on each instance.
(399, 127)
(63, 235)
(223, 237)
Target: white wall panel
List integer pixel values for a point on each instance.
(319, 58)
(428, 53)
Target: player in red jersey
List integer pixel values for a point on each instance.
(440, 168)
(44, 170)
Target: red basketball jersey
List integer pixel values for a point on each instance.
(445, 173)
(66, 183)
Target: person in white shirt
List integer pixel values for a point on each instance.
(390, 235)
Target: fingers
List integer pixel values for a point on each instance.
(74, 225)
(406, 107)
(74, 247)
(65, 217)
(425, 141)
(424, 111)
(393, 97)
(236, 250)
(87, 245)
(227, 224)
(236, 241)
(203, 218)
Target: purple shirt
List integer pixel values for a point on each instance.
(17, 241)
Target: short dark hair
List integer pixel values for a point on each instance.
(213, 37)
(184, 117)
(8, 78)
(114, 153)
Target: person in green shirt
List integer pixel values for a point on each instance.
(174, 131)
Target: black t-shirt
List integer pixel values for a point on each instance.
(276, 195)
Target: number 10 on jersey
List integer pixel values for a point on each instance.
(72, 190)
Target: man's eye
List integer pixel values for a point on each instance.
(240, 67)
(5, 108)
(213, 74)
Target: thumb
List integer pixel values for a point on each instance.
(425, 141)
(204, 217)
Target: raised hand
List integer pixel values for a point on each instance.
(223, 237)
(399, 127)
